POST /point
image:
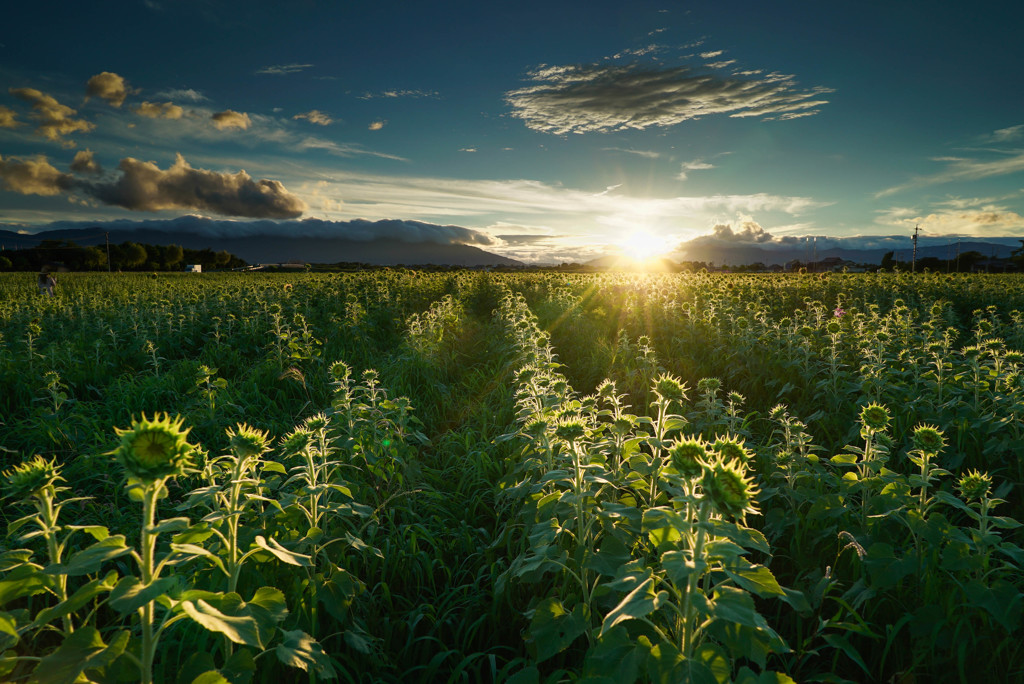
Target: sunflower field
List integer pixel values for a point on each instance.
(403, 476)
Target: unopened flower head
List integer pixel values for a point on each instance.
(156, 449)
(875, 417)
(606, 390)
(570, 429)
(928, 438)
(295, 441)
(246, 441)
(730, 492)
(670, 388)
(31, 477)
(731, 449)
(535, 427)
(340, 371)
(688, 457)
(316, 422)
(974, 485)
(708, 385)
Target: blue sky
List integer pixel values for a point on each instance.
(550, 130)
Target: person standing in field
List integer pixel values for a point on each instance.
(46, 283)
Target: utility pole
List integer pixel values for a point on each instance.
(108, 251)
(913, 264)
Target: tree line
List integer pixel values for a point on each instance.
(126, 256)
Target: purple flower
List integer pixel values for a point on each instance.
(839, 312)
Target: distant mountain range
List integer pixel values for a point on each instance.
(273, 249)
(747, 253)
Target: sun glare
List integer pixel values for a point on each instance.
(642, 245)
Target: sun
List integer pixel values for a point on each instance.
(643, 245)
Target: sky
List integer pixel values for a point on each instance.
(543, 131)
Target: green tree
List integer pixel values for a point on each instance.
(133, 255)
(94, 258)
(173, 254)
(888, 261)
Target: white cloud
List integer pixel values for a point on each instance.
(377, 125)
(959, 169)
(977, 217)
(282, 69)
(315, 116)
(650, 154)
(603, 98)
(189, 94)
(396, 93)
(695, 165)
(1008, 134)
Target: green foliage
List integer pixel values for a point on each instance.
(511, 477)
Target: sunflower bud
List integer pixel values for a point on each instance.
(670, 388)
(246, 441)
(570, 429)
(875, 417)
(152, 450)
(974, 485)
(730, 492)
(929, 439)
(688, 457)
(29, 478)
(295, 441)
(730, 449)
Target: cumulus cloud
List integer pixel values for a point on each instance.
(282, 69)
(55, 120)
(749, 231)
(604, 97)
(315, 116)
(377, 125)
(7, 119)
(84, 162)
(107, 86)
(229, 118)
(143, 186)
(159, 110)
(34, 176)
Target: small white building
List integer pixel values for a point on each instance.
(194, 268)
